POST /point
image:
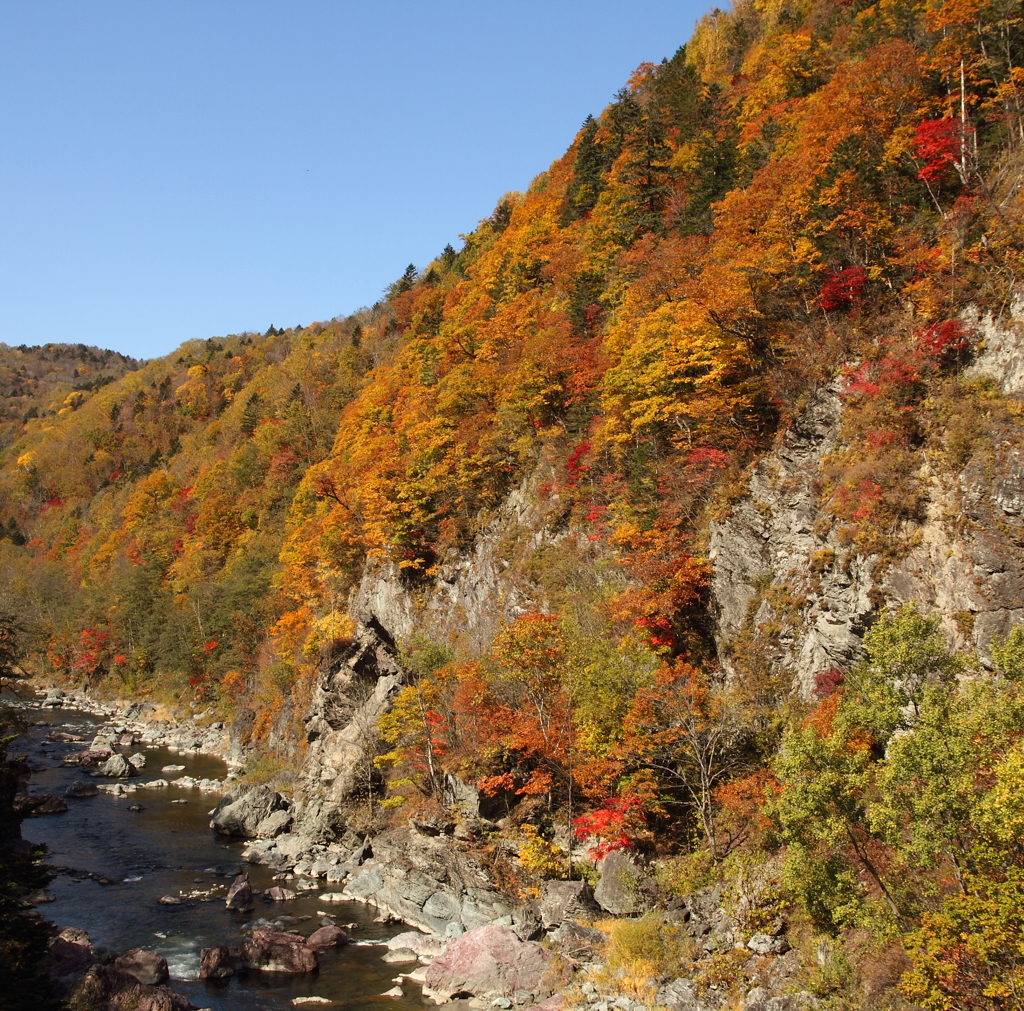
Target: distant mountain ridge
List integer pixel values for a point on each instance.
(40, 380)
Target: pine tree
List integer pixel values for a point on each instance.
(717, 162)
(646, 173)
(251, 415)
(589, 166)
(403, 284)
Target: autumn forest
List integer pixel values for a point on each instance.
(810, 198)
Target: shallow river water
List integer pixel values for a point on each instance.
(169, 849)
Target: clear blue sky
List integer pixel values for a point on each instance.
(172, 170)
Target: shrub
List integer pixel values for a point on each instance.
(641, 951)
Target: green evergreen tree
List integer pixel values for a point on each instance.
(647, 175)
(589, 165)
(403, 284)
(251, 414)
(502, 216)
(717, 162)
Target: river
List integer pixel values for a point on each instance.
(168, 848)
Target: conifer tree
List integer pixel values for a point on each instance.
(251, 416)
(589, 166)
(403, 284)
(646, 173)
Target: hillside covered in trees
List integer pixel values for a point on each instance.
(811, 202)
(52, 379)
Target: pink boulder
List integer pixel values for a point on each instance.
(94, 756)
(485, 960)
(327, 937)
(240, 893)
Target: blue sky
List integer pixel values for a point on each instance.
(189, 169)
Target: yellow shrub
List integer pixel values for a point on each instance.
(641, 951)
(540, 856)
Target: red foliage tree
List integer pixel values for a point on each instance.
(842, 288)
(940, 144)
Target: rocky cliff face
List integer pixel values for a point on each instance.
(966, 559)
(770, 541)
(473, 593)
(467, 602)
(780, 575)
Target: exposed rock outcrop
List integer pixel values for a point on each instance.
(146, 966)
(682, 995)
(70, 955)
(623, 889)
(107, 988)
(35, 805)
(560, 900)
(771, 534)
(577, 942)
(428, 882)
(470, 596)
(243, 808)
(964, 559)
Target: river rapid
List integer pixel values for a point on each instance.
(168, 848)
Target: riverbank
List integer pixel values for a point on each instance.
(149, 871)
(147, 722)
(117, 854)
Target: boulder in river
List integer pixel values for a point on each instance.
(62, 738)
(94, 756)
(489, 959)
(113, 989)
(327, 937)
(118, 767)
(81, 788)
(138, 760)
(277, 951)
(38, 804)
(215, 962)
(146, 966)
(279, 894)
(169, 900)
(240, 894)
(243, 807)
